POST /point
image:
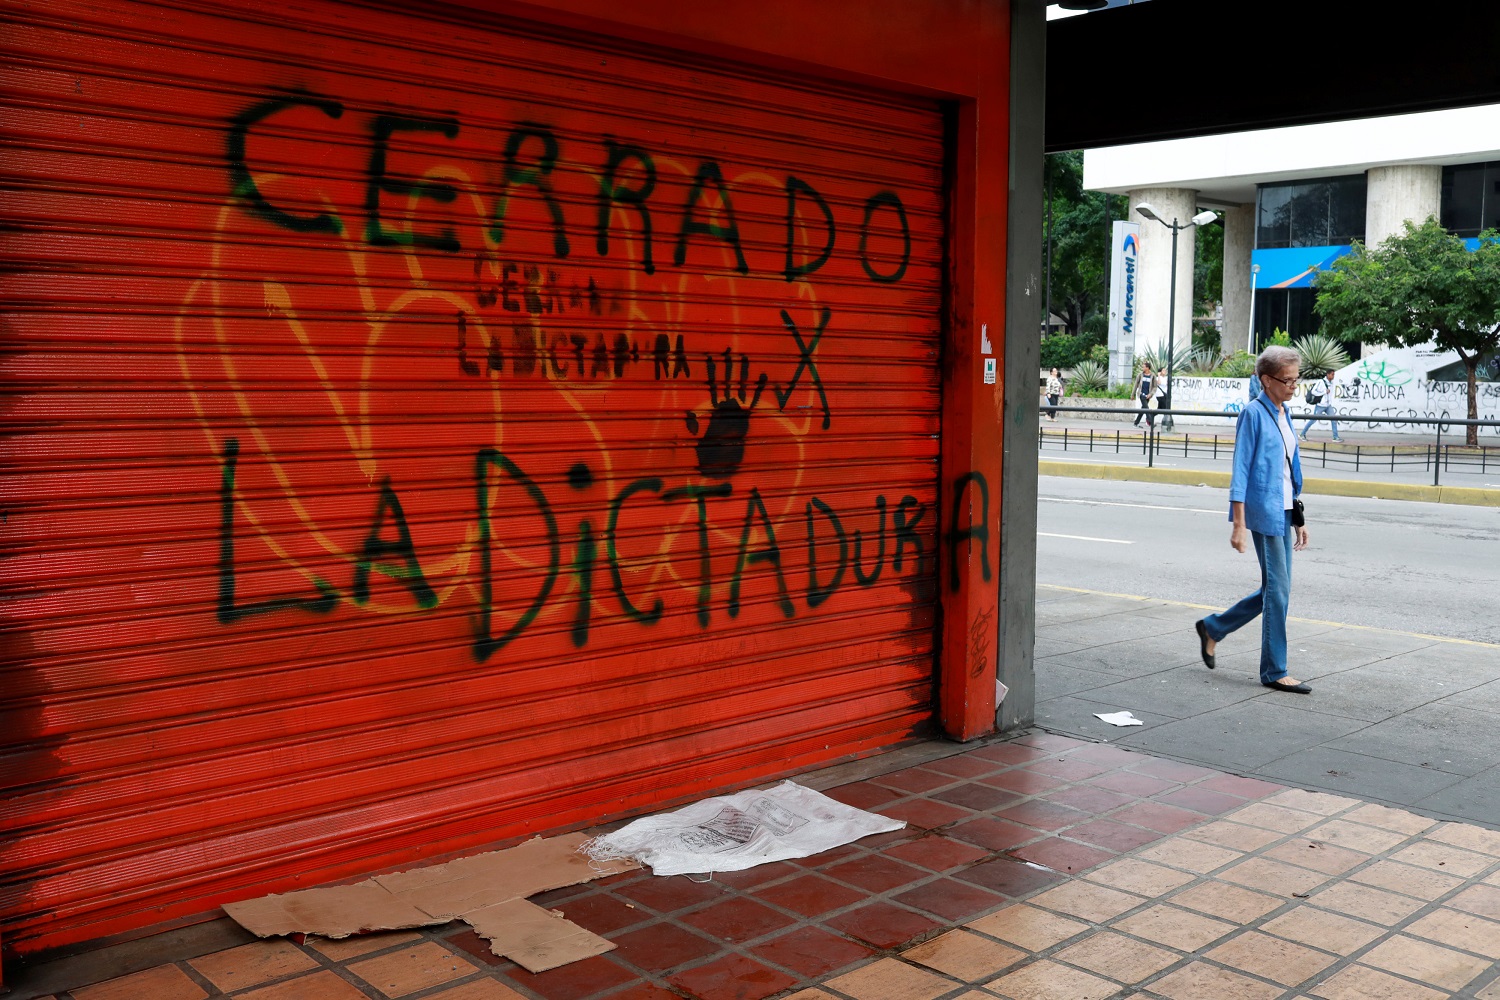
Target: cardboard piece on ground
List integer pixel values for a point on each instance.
(535, 938)
(334, 912)
(487, 891)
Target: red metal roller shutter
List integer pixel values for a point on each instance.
(425, 431)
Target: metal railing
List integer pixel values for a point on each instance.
(1437, 456)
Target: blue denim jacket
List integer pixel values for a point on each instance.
(1258, 460)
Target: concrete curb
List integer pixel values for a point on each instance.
(1465, 495)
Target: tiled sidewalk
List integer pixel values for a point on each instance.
(1044, 868)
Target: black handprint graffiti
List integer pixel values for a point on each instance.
(721, 449)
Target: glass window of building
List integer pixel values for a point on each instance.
(1329, 211)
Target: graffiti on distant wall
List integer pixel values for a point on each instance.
(545, 376)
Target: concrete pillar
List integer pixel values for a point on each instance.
(1154, 294)
(1239, 240)
(1394, 195)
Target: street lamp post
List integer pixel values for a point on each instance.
(1201, 219)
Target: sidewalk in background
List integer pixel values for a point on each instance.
(1173, 863)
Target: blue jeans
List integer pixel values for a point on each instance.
(1321, 410)
(1270, 602)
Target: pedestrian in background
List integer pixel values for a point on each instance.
(1263, 504)
(1320, 395)
(1145, 388)
(1054, 393)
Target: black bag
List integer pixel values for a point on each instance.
(1299, 515)
(1309, 397)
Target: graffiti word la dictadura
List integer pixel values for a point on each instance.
(627, 179)
(836, 557)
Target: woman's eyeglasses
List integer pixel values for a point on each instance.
(1290, 383)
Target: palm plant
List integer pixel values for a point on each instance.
(1088, 376)
(1321, 353)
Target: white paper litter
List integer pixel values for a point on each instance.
(733, 832)
(1119, 718)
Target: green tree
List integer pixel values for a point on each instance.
(1080, 246)
(1420, 286)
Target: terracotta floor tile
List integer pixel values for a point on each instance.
(1273, 877)
(1220, 899)
(1271, 958)
(1140, 877)
(992, 834)
(811, 995)
(1468, 836)
(1200, 799)
(951, 900)
(964, 765)
(253, 964)
(574, 980)
(1174, 927)
(1201, 981)
(1420, 882)
(602, 913)
(1320, 929)
(1010, 877)
(1270, 816)
(811, 952)
(883, 925)
(323, 985)
(1094, 903)
(833, 855)
(1023, 781)
(1245, 788)
(669, 893)
(876, 873)
(1118, 957)
(733, 977)
(1068, 769)
(1157, 816)
(1357, 836)
(738, 919)
(1062, 855)
(1461, 930)
(1089, 798)
(964, 955)
(810, 895)
(937, 853)
(1398, 820)
(644, 991)
(1043, 815)
(1426, 962)
(1235, 836)
(889, 979)
(1190, 855)
(1131, 783)
(475, 947)
(914, 779)
(1159, 767)
(1329, 859)
(1322, 803)
(1481, 899)
(1375, 905)
(1445, 858)
(757, 875)
(863, 794)
(1008, 753)
(1030, 927)
(925, 813)
(165, 982)
(1359, 983)
(980, 798)
(489, 989)
(1102, 753)
(1112, 836)
(1047, 980)
(412, 969)
(361, 944)
(1490, 992)
(1052, 742)
(661, 946)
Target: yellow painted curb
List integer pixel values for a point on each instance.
(1465, 495)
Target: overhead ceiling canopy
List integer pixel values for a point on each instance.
(1175, 68)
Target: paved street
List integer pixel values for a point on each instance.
(1393, 622)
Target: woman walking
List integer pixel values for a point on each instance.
(1263, 503)
(1054, 393)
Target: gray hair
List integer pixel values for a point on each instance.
(1274, 360)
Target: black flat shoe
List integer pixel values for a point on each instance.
(1302, 688)
(1208, 658)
